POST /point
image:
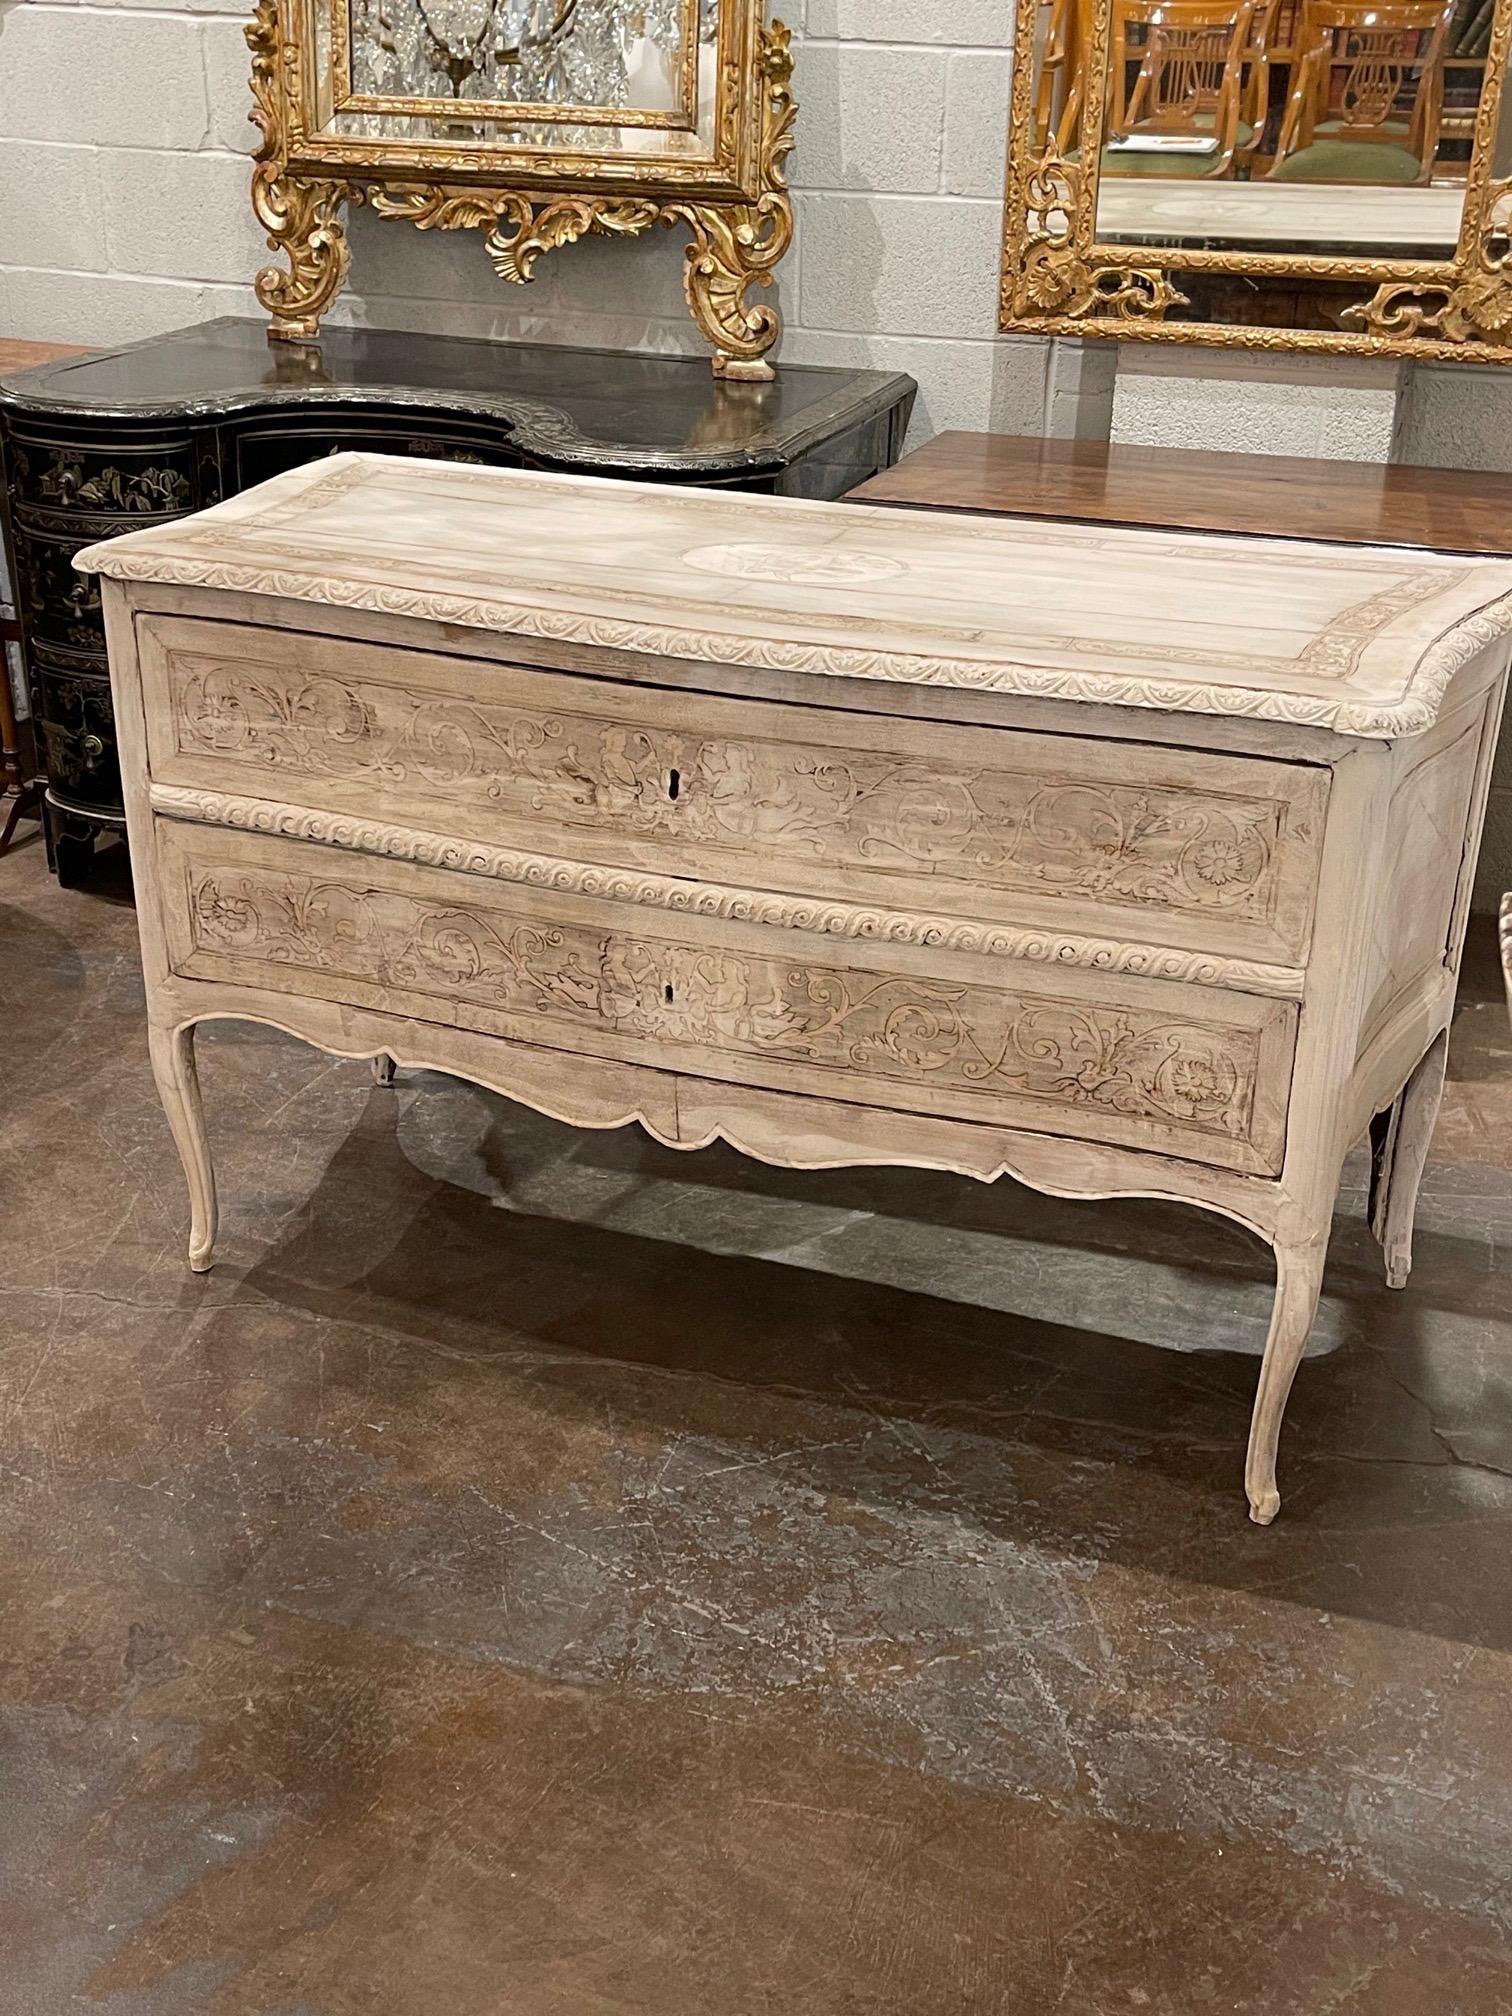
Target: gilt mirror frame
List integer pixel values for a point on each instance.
(727, 186)
(1059, 278)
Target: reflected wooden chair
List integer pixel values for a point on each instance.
(1062, 67)
(1177, 69)
(1254, 97)
(1368, 94)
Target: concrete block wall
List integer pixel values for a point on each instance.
(1338, 408)
(124, 211)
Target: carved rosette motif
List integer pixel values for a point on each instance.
(735, 244)
(971, 1039)
(1137, 845)
(1054, 275)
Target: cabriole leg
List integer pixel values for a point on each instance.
(1402, 1158)
(178, 1087)
(1299, 1277)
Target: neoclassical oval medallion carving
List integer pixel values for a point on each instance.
(756, 562)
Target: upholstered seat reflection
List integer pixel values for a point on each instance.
(1366, 100)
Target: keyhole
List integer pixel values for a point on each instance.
(674, 784)
(667, 991)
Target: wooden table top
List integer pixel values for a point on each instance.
(1279, 496)
(18, 356)
(1325, 636)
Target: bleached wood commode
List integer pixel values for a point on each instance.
(1128, 863)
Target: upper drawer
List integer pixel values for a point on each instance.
(1205, 852)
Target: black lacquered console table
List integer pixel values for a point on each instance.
(105, 442)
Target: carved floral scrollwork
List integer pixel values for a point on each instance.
(1476, 305)
(735, 246)
(736, 243)
(1054, 277)
(965, 1038)
(740, 246)
(1057, 275)
(301, 215)
(1140, 845)
(829, 917)
(520, 228)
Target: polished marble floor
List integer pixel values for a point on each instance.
(539, 1574)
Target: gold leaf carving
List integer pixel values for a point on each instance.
(1058, 277)
(432, 207)
(735, 248)
(302, 216)
(519, 227)
(737, 241)
(1055, 277)
(562, 222)
(1460, 310)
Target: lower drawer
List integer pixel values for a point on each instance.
(1189, 1071)
(75, 729)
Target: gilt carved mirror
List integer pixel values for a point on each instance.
(1282, 174)
(536, 121)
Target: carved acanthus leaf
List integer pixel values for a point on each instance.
(1054, 276)
(429, 206)
(737, 246)
(546, 226)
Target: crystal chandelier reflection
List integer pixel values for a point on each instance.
(517, 52)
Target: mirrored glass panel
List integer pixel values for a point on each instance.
(634, 77)
(1322, 126)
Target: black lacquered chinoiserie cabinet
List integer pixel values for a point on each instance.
(102, 443)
